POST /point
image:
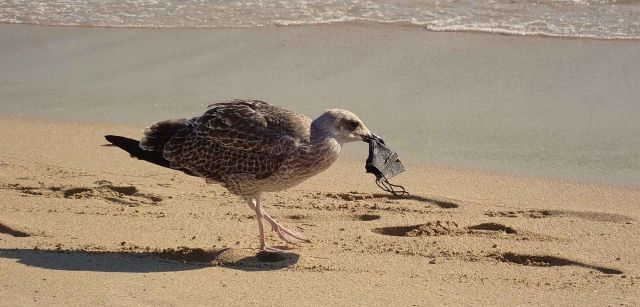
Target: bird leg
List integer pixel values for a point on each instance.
(290, 236)
(283, 233)
(255, 205)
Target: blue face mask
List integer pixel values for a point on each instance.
(384, 164)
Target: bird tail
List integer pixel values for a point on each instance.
(160, 133)
(133, 148)
(152, 145)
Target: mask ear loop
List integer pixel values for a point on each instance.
(396, 190)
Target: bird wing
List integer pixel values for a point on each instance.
(237, 137)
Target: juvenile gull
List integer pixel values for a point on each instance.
(250, 147)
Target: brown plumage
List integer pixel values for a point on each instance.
(249, 147)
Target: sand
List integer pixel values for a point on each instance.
(84, 224)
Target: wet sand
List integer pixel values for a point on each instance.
(559, 108)
(82, 223)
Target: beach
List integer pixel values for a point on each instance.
(521, 157)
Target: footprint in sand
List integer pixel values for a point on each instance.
(493, 227)
(549, 261)
(437, 228)
(367, 217)
(13, 232)
(355, 196)
(535, 214)
(585, 215)
(105, 190)
(350, 196)
(450, 228)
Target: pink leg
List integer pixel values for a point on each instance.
(255, 205)
(285, 234)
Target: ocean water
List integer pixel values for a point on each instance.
(601, 19)
(529, 106)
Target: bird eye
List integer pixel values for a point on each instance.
(352, 124)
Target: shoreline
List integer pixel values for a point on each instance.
(352, 23)
(350, 155)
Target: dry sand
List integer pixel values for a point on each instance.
(84, 224)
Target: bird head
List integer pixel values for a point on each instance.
(344, 126)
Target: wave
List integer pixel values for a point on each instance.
(604, 19)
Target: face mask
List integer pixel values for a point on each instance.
(384, 164)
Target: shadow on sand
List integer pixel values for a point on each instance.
(549, 261)
(431, 201)
(167, 260)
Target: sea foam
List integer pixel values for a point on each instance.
(603, 19)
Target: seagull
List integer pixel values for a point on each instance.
(250, 147)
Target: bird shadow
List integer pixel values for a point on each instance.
(432, 201)
(167, 260)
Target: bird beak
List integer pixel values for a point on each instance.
(371, 137)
